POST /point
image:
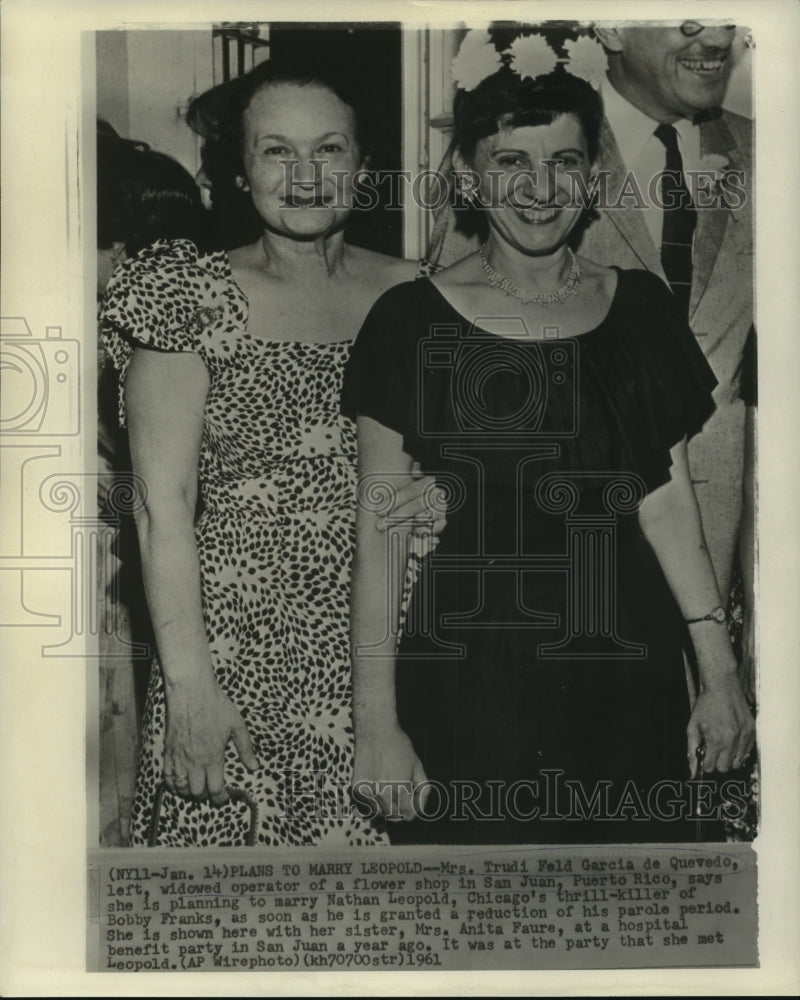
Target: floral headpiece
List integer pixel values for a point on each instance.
(528, 56)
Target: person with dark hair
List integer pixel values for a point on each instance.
(232, 365)
(142, 196)
(538, 692)
(217, 117)
(236, 220)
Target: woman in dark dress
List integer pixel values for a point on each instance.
(538, 693)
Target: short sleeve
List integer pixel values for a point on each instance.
(667, 382)
(380, 377)
(641, 373)
(171, 298)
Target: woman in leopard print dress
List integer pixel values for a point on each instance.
(231, 365)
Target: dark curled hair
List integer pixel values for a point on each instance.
(507, 100)
(143, 196)
(218, 117)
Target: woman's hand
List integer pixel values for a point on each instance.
(200, 721)
(387, 772)
(421, 506)
(166, 395)
(722, 722)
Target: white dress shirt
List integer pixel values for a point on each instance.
(642, 153)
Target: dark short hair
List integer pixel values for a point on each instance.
(507, 100)
(143, 196)
(218, 114)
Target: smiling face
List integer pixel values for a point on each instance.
(294, 138)
(530, 182)
(668, 75)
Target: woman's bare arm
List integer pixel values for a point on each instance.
(383, 752)
(670, 521)
(165, 399)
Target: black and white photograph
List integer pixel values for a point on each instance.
(386, 482)
(594, 522)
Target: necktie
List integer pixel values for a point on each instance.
(680, 218)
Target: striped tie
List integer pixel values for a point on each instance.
(680, 219)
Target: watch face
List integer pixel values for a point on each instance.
(718, 614)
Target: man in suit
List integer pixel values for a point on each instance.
(662, 99)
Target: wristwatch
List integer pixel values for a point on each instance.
(718, 615)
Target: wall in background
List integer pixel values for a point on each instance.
(145, 80)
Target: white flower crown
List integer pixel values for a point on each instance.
(528, 55)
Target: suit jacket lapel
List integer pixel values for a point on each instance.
(628, 220)
(715, 138)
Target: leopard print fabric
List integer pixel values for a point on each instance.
(275, 538)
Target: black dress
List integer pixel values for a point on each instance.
(540, 672)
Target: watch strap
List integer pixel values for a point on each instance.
(717, 614)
